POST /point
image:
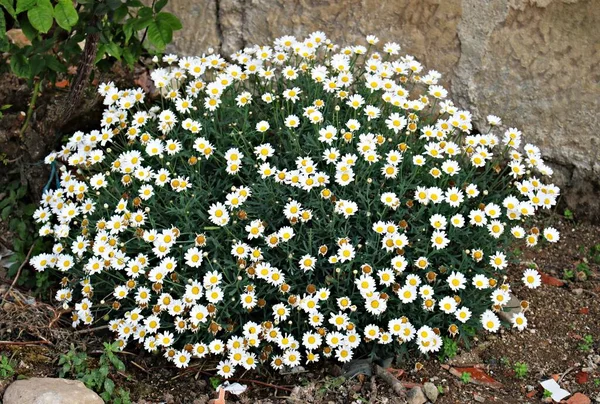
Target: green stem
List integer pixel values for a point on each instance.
(36, 90)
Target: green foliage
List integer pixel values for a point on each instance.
(127, 30)
(547, 393)
(465, 377)
(568, 214)
(76, 365)
(595, 254)
(6, 367)
(521, 369)
(587, 344)
(449, 349)
(16, 210)
(215, 381)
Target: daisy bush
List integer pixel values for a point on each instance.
(302, 201)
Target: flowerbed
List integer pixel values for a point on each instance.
(303, 201)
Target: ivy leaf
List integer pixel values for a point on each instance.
(41, 16)
(170, 20)
(25, 5)
(19, 64)
(159, 34)
(65, 14)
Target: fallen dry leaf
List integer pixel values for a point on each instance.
(550, 280)
(478, 376)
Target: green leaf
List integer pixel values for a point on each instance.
(159, 34)
(160, 4)
(54, 64)
(120, 13)
(8, 5)
(24, 5)
(170, 20)
(28, 29)
(65, 14)
(37, 64)
(109, 386)
(145, 12)
(2, 25)
(128, 30)
(141, 22)
(19, 65)
(129, 57)
(41, 16)
(100, 53)
(113, 50)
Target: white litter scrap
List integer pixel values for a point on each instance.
(558, 393)
(233, 388)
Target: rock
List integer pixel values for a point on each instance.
(416, 396)
(512, 307)
(431, 391)
(577, 291)
(39, 390)
(579, 398)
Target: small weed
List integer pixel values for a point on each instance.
(440, 389)
(587, 344)
(449, 349)
(595, 253)
(465, 377)
(597, 382)
(569, 274)
(547, 393)
(521, 369)
(76, 364)
(215, 381)
(569, 214)
(6, 367)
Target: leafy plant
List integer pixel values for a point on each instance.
(547, 393)
(16, 211)
(54, 29)
(465, 377)
(568, 214)
(76, 364)
(521, 369)
(587, 344)
(449, 349)
(288, 199)
(6, 367)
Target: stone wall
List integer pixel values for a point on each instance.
(535, 63)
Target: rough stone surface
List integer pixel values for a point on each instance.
(431, 391)
(416, 396)
(49, 391)
(534, 63)
(200, 26)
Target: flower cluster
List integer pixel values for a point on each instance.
(302, 201)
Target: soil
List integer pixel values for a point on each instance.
(552, 346)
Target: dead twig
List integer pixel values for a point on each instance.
(89, 330)
(387, 377)
(564, 374)
(12, 285)
(140, 367)
(21, 343)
